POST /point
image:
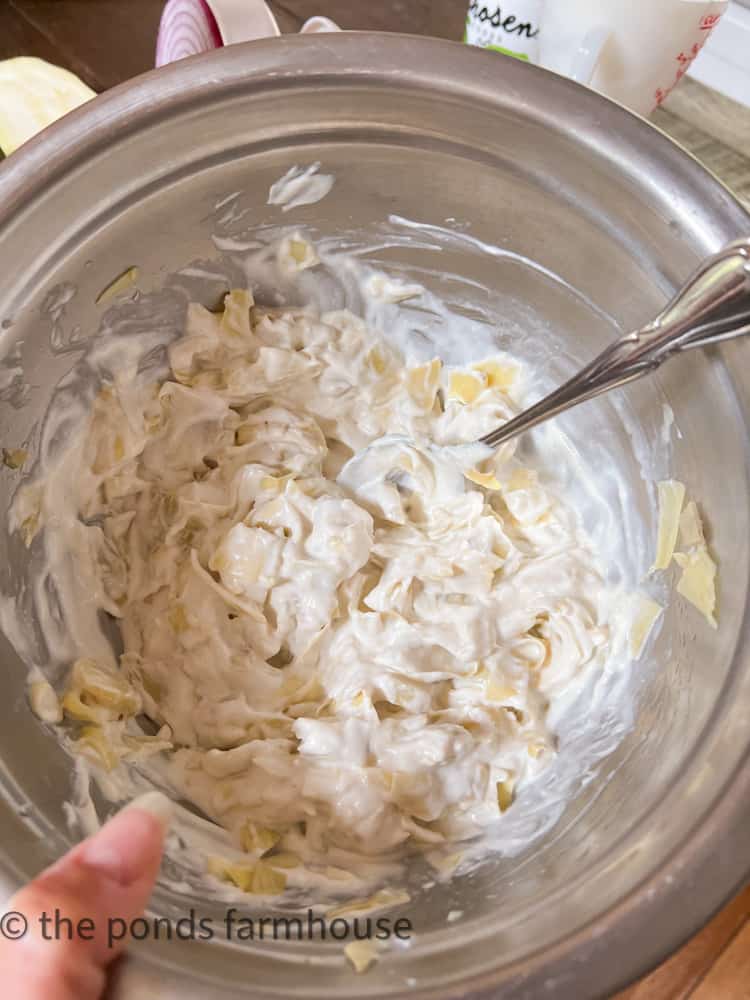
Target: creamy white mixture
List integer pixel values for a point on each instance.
(348, 625)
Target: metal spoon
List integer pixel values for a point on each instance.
(712, 307)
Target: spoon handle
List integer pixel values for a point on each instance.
(713, 306)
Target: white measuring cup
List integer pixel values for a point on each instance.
(246, 20)
(634, 51)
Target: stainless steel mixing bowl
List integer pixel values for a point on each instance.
(594, 196)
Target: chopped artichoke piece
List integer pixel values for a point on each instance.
(671, 498)
(296, 254)
(236, 319)
(27, 512)
(239, 875)
(78, 710)
(121, 284)
(258, 840)
(30, 529)
(44, 702)
(499, 375)
(487, 480)
(377, 361)
(93, 743)
(698, 582)
(276, 484)
(15, 458)
(465, 388)
(386, 289)
(95, 695)
(267, 881)
(423, 382)
(691, 527)
(258, 879)
(361, 954)
(446, 863)
(646, 614)
(106, 687)
(505, 795)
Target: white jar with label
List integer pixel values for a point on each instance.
(511, 28)
(634, 51)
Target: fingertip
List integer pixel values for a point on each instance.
(110, 875)
(156, 804)
(129, 847)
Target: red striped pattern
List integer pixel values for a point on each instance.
(187, 28)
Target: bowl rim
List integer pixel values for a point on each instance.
(714, 861)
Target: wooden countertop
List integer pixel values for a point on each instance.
(107, 41)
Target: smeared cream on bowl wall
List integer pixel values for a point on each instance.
(347, 634)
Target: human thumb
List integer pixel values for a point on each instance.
(77, 912)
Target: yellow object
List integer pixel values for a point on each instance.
(505, 795)
(377, 362)
(691, 527)
(646, 615)
(698, 581)
(671, 499)
(277, 483)
(257, 879)
(446, 864)
(33, 94)
(98, 695)
(499, 376)
(235, 321)
(422, 383)
(45, 703)
(94, 744)
(361, 954)
(15, 458)
(28, 512)
(465, 388)
(120, 284)
(257, 839)
(488, 480)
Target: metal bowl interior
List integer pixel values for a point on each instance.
(602, 217)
